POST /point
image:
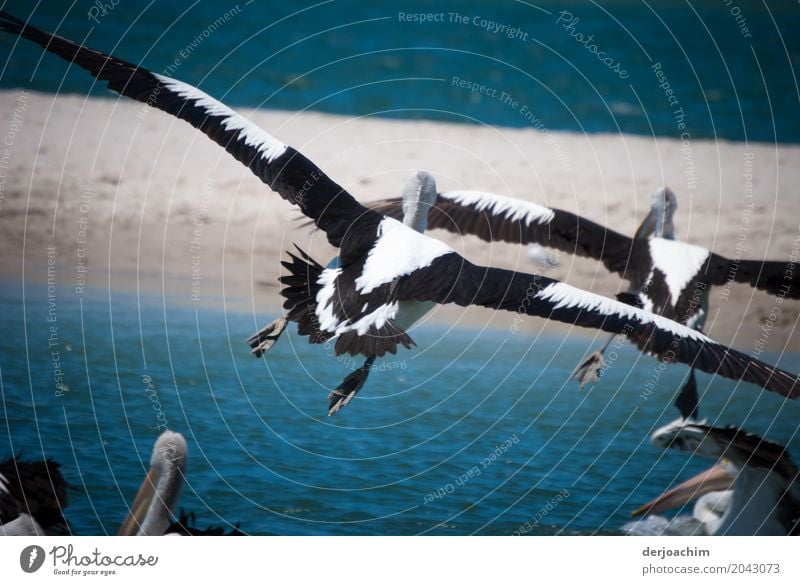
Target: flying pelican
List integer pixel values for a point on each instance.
(666, 276)
(659, 223)
(33, 495)
(418, 195)
(753, 490)
(383, 262)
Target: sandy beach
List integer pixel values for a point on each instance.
(112, 194)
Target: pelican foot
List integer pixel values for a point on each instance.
(590, 369)
(263, 340)
(347, 390)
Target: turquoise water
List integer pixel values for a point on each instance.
(401, 459)
(731, 65)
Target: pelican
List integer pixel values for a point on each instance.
(383, 262)
(752, 490)
(155, 501)
(659, 223)
(672, 270)
(33, 495)
(418, 195)
(153, 507)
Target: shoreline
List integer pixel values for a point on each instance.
(129, 196)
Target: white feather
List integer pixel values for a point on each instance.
(680, 262)
(508, 207)
(566, 296)
(327, 320)
(269, 146)
(398, 251)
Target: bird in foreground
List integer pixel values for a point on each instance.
(151, 513)
(419, 194)
(383, 263)
(753, 489)
(33, 495)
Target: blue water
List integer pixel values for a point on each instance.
(263, 453)
(732, 68)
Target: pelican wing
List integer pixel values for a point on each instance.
(498, 218)
(452, 279)
(775, 277)
(285, 170)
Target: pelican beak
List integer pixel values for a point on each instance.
(144, 497)
(714, 479)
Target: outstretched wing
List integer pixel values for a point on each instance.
(452, 279)
(285, 170)
(777, 278)
(498, 218)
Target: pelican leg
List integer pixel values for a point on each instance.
(263, 340)
(588, 370)
(347, 390)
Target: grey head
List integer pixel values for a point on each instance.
(419, 195)
(659, 222)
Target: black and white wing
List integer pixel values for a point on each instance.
(452, 279)
(498, 218)
(382, 262)
(494, 217)
(360, 305)
(777, 278)
(293, 176)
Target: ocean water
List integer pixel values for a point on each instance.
(474, 432)
(705, 69)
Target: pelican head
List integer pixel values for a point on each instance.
(754, 484)
(659, 222)
(152, 509)
(419, 195)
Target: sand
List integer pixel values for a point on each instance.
(115, 195)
